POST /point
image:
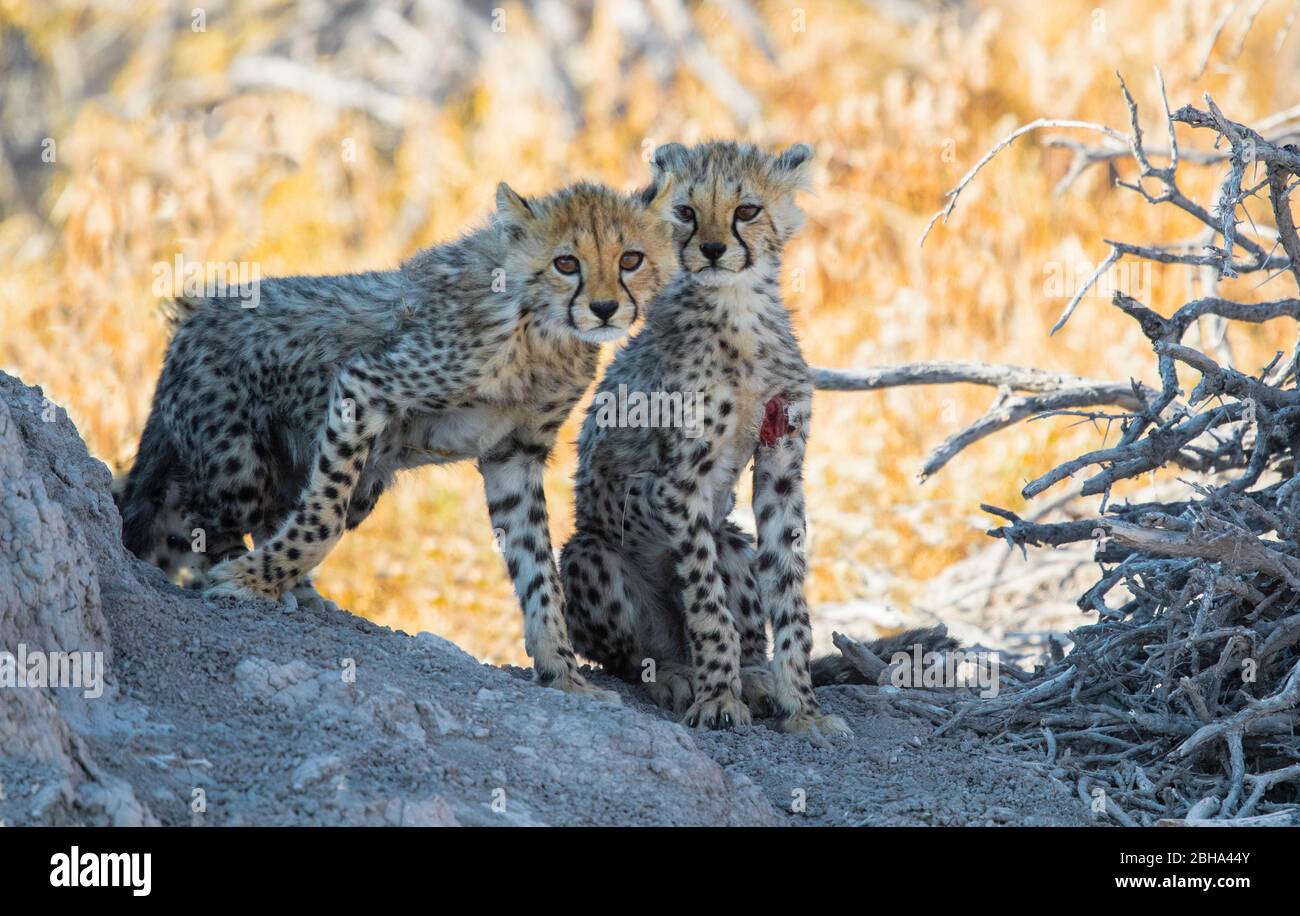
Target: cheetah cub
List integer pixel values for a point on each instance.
(655, 570)
(286, 421)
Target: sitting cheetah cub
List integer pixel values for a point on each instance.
(286, 421)
(655, 570)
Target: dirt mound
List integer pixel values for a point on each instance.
(249, 714)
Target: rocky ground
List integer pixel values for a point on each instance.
(227, 713)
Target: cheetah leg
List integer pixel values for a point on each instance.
(779, 509)
(601, 607)
(736, 559)
(512, 480)
(710, 628)
(186, 544)
(179, 554)
(357, 414)
(303, 593)
(196, 547)
(597, 605)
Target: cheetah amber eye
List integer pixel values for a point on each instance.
(685, 214)
(747, 212)
(566, 264)
(631, 260)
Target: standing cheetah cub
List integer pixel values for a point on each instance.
(655, 569)
(286, 421)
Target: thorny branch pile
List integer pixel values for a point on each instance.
(1180, 704)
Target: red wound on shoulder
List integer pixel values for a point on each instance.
(775, 422)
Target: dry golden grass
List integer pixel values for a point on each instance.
(896, 116)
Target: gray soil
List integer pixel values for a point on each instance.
(234, 713)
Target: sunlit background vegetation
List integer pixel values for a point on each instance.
(322, 138)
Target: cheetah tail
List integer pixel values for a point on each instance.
(836, 669)
(145, 490)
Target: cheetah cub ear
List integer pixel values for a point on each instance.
(512, 211)
(793, 166)
(669, 157)
(659, 195)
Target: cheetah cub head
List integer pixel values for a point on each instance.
(732, 207)
(593, 258)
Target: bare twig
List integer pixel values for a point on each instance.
(1179, 705)
(1006, 141)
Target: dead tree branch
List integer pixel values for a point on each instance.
(1181, 703)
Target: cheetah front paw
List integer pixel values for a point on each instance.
(726, 711)
(233, 579)
(758, 688)
(573, 682)
(672, 688)
(306, 596)
(817, 725)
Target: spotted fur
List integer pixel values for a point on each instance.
(287, 421)
(655, 569)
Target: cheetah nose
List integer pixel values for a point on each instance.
(713, 250)
(604, 309)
